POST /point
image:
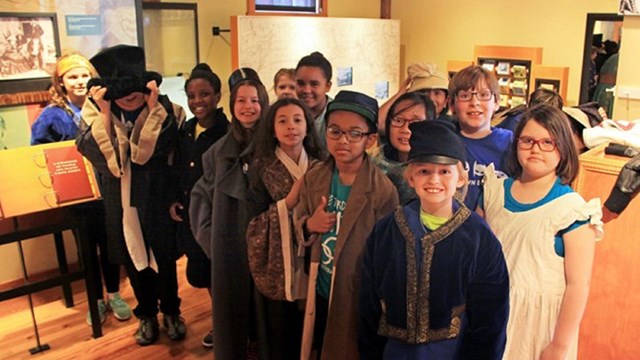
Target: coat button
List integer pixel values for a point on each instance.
(192, 164)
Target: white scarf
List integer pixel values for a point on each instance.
(295, 280)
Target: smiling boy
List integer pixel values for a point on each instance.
(434, 280)
(340, 201)
(474, 98)
(313, 82)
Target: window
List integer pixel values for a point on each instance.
(290, 7)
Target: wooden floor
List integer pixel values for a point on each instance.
(65, 329)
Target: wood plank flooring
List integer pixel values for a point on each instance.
(66, 330)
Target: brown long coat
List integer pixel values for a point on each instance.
(372, 197)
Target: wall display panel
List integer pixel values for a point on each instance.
(514, 79)
(369, 47)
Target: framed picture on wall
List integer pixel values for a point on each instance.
(29, 46)
(550, 84)
(628, 7)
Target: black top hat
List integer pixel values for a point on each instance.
(122, 71)
(358, 103)
(435, 141)
(240, 74)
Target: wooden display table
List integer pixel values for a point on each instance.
(611, 321)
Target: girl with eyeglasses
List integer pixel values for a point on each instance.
(548, 235)
(391, 155)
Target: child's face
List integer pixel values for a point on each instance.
(435, 185)
(285, 88)
(247, 106)
(439, 98)
(349, 147)
(75, 81)
(131, 102)
(290, 127)
(399, 136)
(537, 163)
(201, 98)
(475, 115)
(311, 87)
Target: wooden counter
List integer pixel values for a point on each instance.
(610, 325)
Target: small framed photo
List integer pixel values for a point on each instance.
(382, 90)
(519, 87)
(550, 84)
(31, 45)
(489, 65)
(519, 71)
(503, 68)
(345, 76)
(503, 83)
(518, 100)
(504, 100)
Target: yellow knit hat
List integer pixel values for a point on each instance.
(72, 61)
(425, 76)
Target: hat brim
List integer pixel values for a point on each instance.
(434, 159)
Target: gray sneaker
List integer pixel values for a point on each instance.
(147, 332)
(175, 327)
(121, 310)
(102, 311)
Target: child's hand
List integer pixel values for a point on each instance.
(152, 98)
(292, 198)
(97, 94)
(321, 221)
(174, 210)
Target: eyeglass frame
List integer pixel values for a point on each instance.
(347, 133)
(476, 93)
(532, 142)
(404, 121)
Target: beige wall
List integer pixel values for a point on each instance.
(628, 74)
(437, 31)
(216, 50)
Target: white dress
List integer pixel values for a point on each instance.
(536, 272)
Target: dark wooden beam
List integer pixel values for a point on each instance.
(385, 9)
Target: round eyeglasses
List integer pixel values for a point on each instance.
(527, 142)
(353, 136)
(482, 95)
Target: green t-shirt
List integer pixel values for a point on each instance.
(336, 203)
(431, 222)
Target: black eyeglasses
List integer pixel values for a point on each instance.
(397, 121)
(353, 136)
(527, 142)
(482, 95)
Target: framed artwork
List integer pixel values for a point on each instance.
(344, 76)
(289, 7)
(551, 84)
(503, 68)
(628, 7)
(519, 71)
(519, 87)
(29, 46)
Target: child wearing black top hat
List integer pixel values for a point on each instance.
(434, 283)
(340, 200)
(129, 133)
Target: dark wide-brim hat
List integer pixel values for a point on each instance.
(122, 71)
(358, 103)
(435, 142)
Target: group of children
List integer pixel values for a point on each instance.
(311, 247)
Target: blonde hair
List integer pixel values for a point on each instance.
(64, 64)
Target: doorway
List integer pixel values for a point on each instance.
(600, 27)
